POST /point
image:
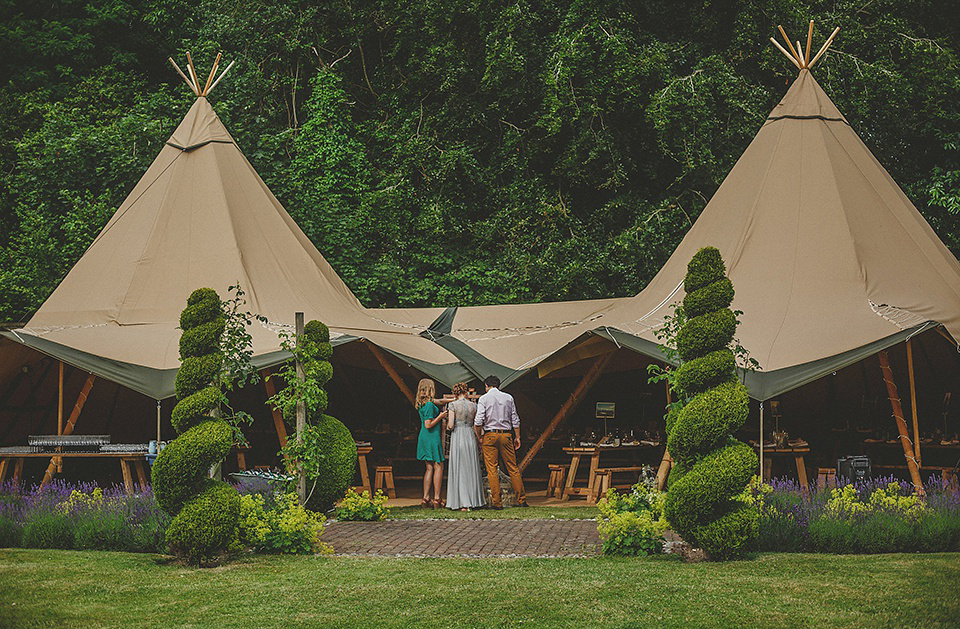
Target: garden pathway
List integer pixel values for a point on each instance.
(465, 538)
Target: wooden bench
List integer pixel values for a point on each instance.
(129, 462)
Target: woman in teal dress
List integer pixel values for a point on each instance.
(430, 442)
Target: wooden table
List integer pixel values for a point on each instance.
(362, 452)
(128, 462)
(797, 453)
(593, 452)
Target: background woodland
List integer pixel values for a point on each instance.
(455, 152)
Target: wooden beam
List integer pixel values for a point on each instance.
(806, 57)
(568, 407)
(382, 359)
(277, 415)
(944, 334)
(785, 53)
(666, 463)
(913, 404)
(897, 408)
(71, 423)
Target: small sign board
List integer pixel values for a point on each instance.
(606, 410)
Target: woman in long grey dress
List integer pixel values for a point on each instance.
(464, 480)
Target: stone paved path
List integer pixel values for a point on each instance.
(465, 538)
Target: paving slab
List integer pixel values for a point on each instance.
(465, 538)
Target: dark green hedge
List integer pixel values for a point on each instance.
(316, 331)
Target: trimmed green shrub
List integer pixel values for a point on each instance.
(316, 331)
(709, 418)
(182, 467)
(705, 499)
(207, 524)
(335, 465)
(196, 373)
(702, 269)
(204, 511)
(706, 333)
(195, 409)
(707, 371)
(713, 296)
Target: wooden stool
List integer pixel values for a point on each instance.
(384, 476)
(601, 484)
(826, 477)
(558, 474)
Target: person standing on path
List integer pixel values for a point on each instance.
(464, 475)
(496, 422)
(430, 442)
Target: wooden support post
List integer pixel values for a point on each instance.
(59, 460)
(382, 359)
(277, 415)
(897, 408)
(913, 404)
(568, 407)
(666, 463)
(301, 414)
(71, 423)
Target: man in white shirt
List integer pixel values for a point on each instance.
(498, 430)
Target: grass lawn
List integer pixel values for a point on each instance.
(106, 589)
(509, 513)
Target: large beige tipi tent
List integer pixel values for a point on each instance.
(830, 260)
(201, 216)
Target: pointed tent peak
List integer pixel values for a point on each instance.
(806, 99)
(796, 54)
(200, 126)
(193, 82)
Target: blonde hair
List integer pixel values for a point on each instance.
(426, 391)
(460, 388)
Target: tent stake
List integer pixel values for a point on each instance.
(568, 407)
(901, 423)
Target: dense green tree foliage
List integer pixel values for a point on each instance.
(455, 152)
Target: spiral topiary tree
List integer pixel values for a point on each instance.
(326, 449)
(204, 510)
(711, 467)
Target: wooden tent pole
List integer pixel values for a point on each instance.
(60, 402)
(786, 54)
(277, 415)
(943, 333)
(823, 49)
(913, 403)
(301, 412)
(71, 423)
(568, 407)
(667, 461)
(806, 57)
(901, 423)
(382, 359)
